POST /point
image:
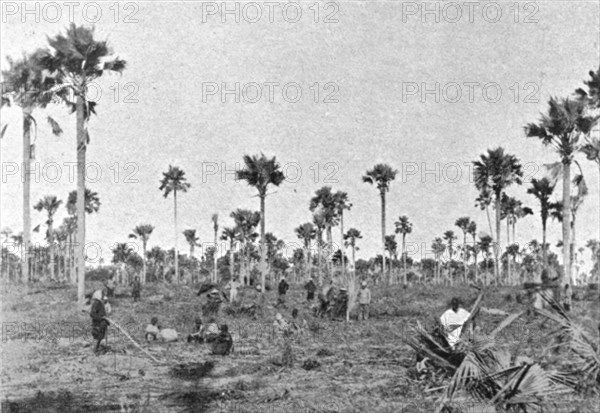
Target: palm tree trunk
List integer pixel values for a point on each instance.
(175, 224)
(144, 262)
(404, 277)
(509, 275)
(465, 256)
(575, 274)
(51, 255)
(329, 263)
(231, 259)
(475, 253)
(354, 258)
(216, 275)
(262, 243)
(496, 245)
(342, 244)
(319, 246)
(544, 252)
(81, 150)
(382, 193)
(26, 195)
(566, 224)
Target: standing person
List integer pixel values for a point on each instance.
(110, 286)
(453, 320)
(567, 298)
(364, 299)
(310, 288)
(282, 289)
(137, 289)
(99, 321)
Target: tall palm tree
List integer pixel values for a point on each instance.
(92, 205)
(143, 232)
(404, 227)
(79, 59)
(26, 84)
(463, 223)
(391, 246)
(449, 237)
(438, 248)
(542, 189)
(381, 175)
(260, 172)
(246, 222)
(215, 220)
(174, 180)
(320, 222)
(306, 233)
(325, 203)
(472, 230)
(483, 201)
(484, 245)
(50, 204)
(341, 204)
(493, 173)
(192, 240)
(230, 234)
(351, 237)
(562, 128)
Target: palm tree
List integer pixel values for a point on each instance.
(173, 181)
(50, 204)
(483, 201)
(463, 223)
(382, 175)
(493, 173)
(27, 84)
(79, 59)
(484, 245)
(449, 237)
(306, 233)
(341, 204)
(404, 227)
(143, 232)
(121, 253)
(438, 248)
(391, 246)
(192, 240)
(351, 236)
(325, 203)
(215, 221)
(260, 172)
(320, 222)
(92, 205)
(230, 234)
(542, 189)
(472, 230)
(561, 128)
(246, 222)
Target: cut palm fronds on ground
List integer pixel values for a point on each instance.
(576, 337)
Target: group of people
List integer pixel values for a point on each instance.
(111, 285)
(334, 302)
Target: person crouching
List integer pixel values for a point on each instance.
(99, 321)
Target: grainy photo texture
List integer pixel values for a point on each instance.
(300, 206)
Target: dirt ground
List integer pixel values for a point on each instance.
(48, 363)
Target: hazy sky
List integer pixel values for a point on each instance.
(369, 57)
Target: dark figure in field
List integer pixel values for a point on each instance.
(340, 304)
(198, 335)
(310, 288)
(110, 286)
(567, 298)
(99, 321)
(364, 299)
(214, 298)
(282, 289)
(223, 343)
(326, 299)
(137, 289)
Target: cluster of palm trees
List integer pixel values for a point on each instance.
(62, 71)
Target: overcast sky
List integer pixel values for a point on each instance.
(369, 63)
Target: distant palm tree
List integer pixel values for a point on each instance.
(230, 234)
(192, 240)
(404, 227)
(306, 233)
(449, 237)
(381, 175)
(391, 246)
(121, 253)
(174, 181)
(542, 189)
(260, 172)
(325, 203)
(26, 85)
(341, 204)
(79, 60)
(92, 202)
(472, 230)
(246, 222)
(215, 221)
(320, 222)
(351, 236)
(483, 201)
(463, 223)
(50, 204)
(438, 248)
(484, 245)
(493, 173)
(562, 128)
(143, 232)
